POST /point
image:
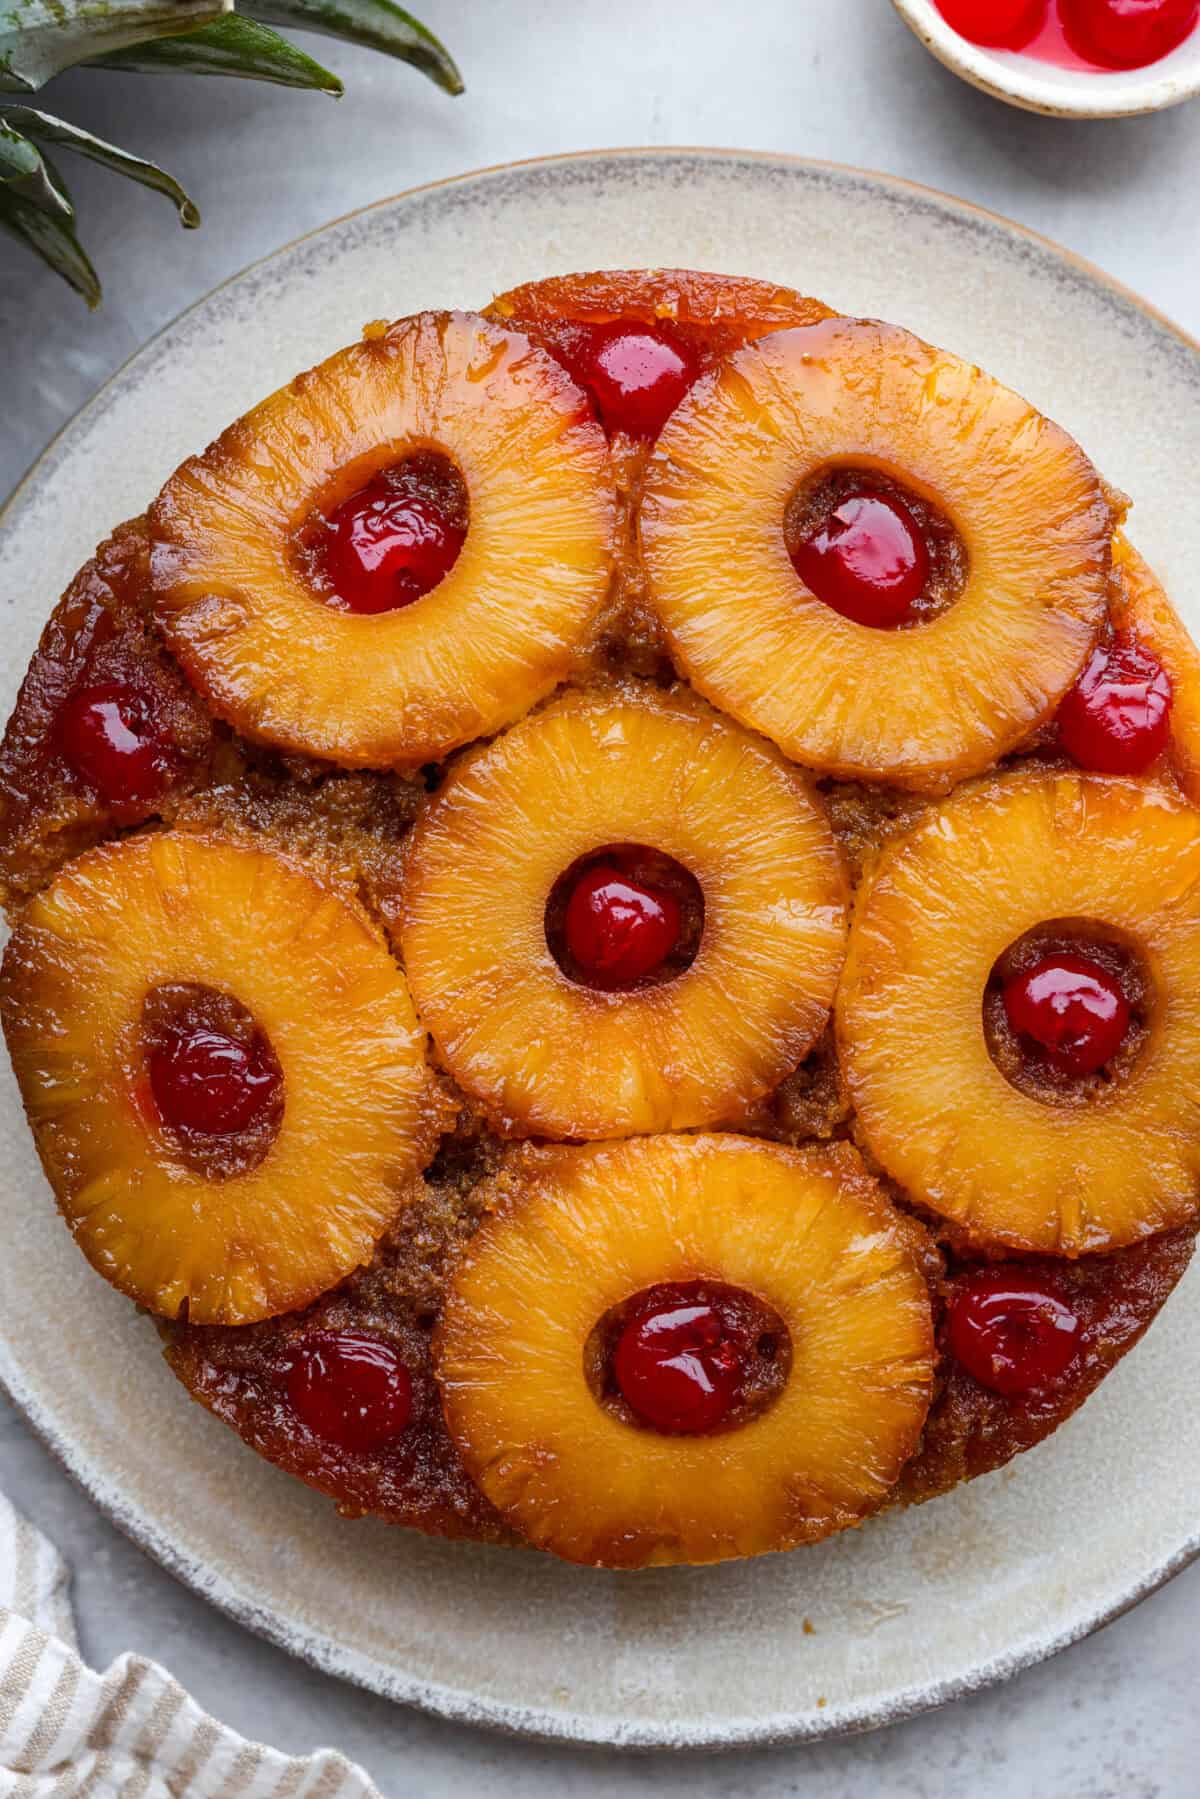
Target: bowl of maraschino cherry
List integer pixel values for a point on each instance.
(1090, 59)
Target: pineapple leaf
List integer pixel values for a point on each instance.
(22, 171)
(19, 160)
(48, 130)
(41, 38)
(230, 46)
(52, 238)
(378, 24)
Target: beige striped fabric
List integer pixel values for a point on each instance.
(129, 1733)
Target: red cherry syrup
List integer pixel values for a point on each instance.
(350, 1389)
(1117, 717)
(996, 24)
(868, 560)
(1102, 35)
(1011, 1331)
(1072, 1009)
(677, 1364)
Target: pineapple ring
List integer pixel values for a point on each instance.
(498, 633)
(717, 311)
(173, 907)
(941, 907)
(923, 706)
(808, 1231)
(1142, 608)
(557, 1059)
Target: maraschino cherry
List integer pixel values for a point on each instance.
(350, 1389)
(1011, 1331)
(113, 738)
(636, 374)
(388, 546)
(619, 930)
(1117, 717)
(210, 1083)
(1127, 34)
(996, 24)
(1072, 1008)
(676, 1365)
(868, 560)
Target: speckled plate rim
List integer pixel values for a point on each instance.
(453, 1703)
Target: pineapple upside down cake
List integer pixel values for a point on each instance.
(605, 908)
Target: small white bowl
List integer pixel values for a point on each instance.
(1062, 93)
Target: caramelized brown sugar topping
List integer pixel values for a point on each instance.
(105, 731)
(134, 721)
(414, 1477)
(973, 1429)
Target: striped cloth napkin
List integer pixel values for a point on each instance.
(129, 1733)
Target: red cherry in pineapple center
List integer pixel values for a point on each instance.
(675, 1363)
(389, 545)
(205, 1081)
(1117, 717)
(1011, 1332)
(1127, 34)
(350, 1389)
(868, 560)
(637, 375)
(111, 735)
(997, 24)
(619, 930)
(1072, 1008)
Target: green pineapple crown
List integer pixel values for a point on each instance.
(40, 38)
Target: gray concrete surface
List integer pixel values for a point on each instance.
(1115, 1718)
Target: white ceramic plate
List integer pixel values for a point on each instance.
(915, 1608)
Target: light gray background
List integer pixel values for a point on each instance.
(1116, 1717)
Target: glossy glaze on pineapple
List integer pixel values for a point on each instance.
(353, 826)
